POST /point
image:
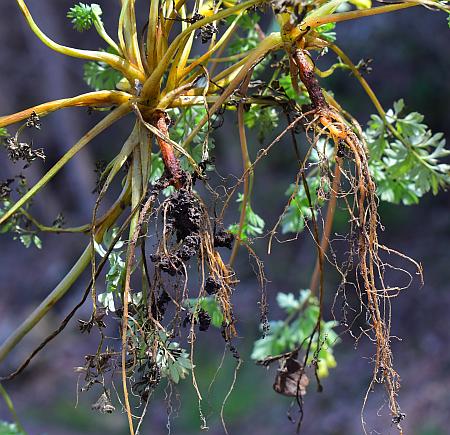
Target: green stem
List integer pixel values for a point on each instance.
(345, 16)
(113, 60)
(248, 172)
(361, 79)
(328, 72)
(205, 57)
(90, 99)
(59, 291)
(10, 406)
(199, 100)
(66, 283)
(45, 228)
(104, 35)
(136, 187)
(377, 104)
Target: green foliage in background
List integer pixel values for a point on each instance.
(407, 158)
(100, 76)
(10, 429)
(253, 224)
(294, 332)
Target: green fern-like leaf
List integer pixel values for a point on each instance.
(100, 76)
(263, 119)
(253, 223)
(406, 169)
(327, 32)
(299, 211)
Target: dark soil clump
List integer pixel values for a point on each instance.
(223, 239)
(184, 214)
(212, 286)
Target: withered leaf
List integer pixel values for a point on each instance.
(290, 380)
(103, 405)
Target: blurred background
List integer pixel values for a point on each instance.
(411, 61)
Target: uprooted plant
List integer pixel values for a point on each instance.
(166, 244)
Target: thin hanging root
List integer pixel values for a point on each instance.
(227, 279)
(222, 274)
(329, 121)
(328, 223)
(131, 251)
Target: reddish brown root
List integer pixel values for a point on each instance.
(364, 217)
(162, 122)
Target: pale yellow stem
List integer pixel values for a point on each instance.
(91, 99)
(272, 42)
(153, 20)
(91, 134)
(205, 57)
(135, 52)
(151, 85)
(113, 60)
(351, 15)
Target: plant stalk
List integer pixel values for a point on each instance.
(59, 291)
(91, 134)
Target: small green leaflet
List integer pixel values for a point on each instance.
(299, 210)
(116, 272)
(210, 305)
(18, 227)
(185, 120)
(30, 239)
(253, 224)
(173, 360)
(286, 83)
(326, 31)
(98, 75)
(241, 44)
(265, 119)
(250, 40)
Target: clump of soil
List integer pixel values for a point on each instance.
(203, 319)
(170, 264)
(212, 286)
(159, 309)
(223, 239)
(184, 214)
(184, 220)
